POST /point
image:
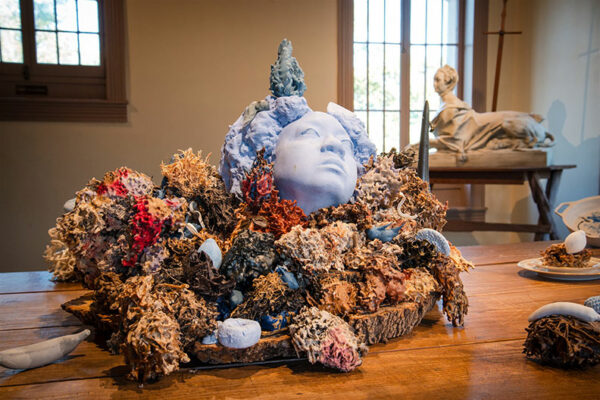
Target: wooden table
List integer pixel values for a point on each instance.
(544, 198)
(482, 360)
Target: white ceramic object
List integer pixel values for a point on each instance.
(69, 205)
(212, 250)
(578, 311)
(239, 333)
(571, 211)
(563, 274)
(575, 242)
(435, 238)
(41, 353)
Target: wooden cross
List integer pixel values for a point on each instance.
(588, 55)
(501, 34)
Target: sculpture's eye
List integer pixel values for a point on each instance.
(310, 132)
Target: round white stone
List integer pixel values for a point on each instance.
(239, 333)
(575, 242)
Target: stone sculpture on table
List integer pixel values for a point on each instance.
(463, 131)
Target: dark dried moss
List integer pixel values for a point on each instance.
(251, 255)
(403, 159)
(416, 253)
(196, 317)
(456, 303)
(204, 279)
(269, 296)
(218, 210)
(353, 213)
(564, 342)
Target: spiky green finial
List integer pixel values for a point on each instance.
(287, 78)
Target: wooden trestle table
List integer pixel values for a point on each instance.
(482, 360)
(543, 198)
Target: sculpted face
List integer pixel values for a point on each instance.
(315, 163)
(445, 79)
(439, 81)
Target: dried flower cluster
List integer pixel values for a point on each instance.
(137, 246)
(211, 206)
(326, 339)
(556, 256)
(251, 255)
(454, 297)
(269, 296)
(158, 323)
(320, 249)
(397, 196)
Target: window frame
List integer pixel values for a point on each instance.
(479, 61)
(94, 93)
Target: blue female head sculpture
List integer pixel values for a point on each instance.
(317, 156)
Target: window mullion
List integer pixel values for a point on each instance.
(367, 93)
(405, 73)
(384, 48)
(28, 34)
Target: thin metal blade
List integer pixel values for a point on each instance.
(423, 165)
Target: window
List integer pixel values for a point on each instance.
(395, 48)
(62, 60)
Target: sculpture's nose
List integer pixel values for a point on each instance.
(333, 144)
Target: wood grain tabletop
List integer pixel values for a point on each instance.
(436, 361)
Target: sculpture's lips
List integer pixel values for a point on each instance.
(334, 165)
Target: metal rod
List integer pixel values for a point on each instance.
(423, 164)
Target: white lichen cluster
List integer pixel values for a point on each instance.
(321, 249)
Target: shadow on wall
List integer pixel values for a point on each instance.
(575, 183)
(525, 209)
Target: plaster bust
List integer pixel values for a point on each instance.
(314, 162)
(461, 129)
(316, 156)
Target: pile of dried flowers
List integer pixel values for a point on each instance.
(137, 245)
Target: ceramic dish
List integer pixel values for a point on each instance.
(566, 274)
(572, 213)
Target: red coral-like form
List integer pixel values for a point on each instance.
(258, 185)
(114, 186)
(281, 216)
(145, 229)
(264, 211)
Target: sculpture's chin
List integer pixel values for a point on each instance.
(311, 205)
(311, 198)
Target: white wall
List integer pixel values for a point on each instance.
(565, 86)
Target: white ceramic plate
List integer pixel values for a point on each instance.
(567, 274)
